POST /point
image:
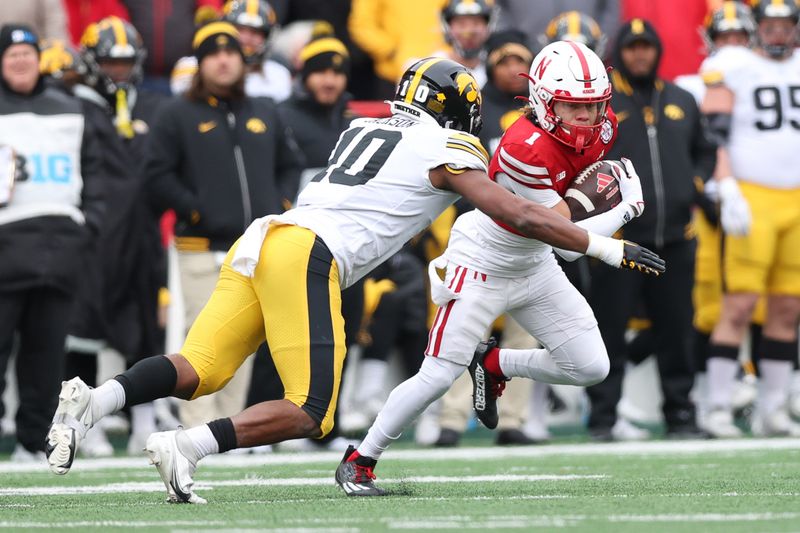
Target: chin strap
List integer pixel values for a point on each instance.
(123, 117)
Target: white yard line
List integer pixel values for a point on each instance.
(426, 454)
(200, 486)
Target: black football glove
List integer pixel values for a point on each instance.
(639, 258)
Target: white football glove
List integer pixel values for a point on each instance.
(631, 188)
(734, 210)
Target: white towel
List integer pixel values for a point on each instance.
(440, 293)
(247, 253)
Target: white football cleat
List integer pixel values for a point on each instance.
(172, 454)
(775, 424)
(72, 420)
(625, 431)
(95, 444)
(719, 424)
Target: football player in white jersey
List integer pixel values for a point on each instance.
(753, 103)
(492, 268)
(281, 282)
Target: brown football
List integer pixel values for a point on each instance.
(594, 190)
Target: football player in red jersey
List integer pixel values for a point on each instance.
(492, 269)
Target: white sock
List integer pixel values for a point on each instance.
(406, 402)
(143, 418)
(108, 398)
(581, 360)
(203, 440)
(721, 373)
(776, 378)
(538, 409)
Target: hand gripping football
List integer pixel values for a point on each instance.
(594, 190)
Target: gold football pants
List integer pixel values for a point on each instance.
(294, 302)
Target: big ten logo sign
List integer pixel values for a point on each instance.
(56, 168)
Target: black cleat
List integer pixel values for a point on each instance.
(486, 387)
(355, 476)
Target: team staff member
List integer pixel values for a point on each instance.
(661, 131)
(44, 229)
(220, 159)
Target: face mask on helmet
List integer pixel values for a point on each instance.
(114, 55)
(255, 20)
(777, 32)
(442, 90)
(467, 25)
(727, 23)
(568, 79)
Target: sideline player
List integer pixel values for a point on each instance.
(387, 180)
(753, 102)
(492, 267)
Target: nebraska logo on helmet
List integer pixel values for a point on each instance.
(570, 73)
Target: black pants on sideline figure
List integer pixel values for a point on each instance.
(668, 303)
(41, 316)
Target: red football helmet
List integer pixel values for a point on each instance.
(569, 72)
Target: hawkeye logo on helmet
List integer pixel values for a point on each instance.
(468, 87)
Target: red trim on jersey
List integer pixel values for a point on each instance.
(584, 64)
(507, 227)
(437, 331)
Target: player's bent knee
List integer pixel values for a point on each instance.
(596, 372)
(438, 374)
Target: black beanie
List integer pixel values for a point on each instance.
(322, 54)
(503, 44)
(216, 36)
(12, 34)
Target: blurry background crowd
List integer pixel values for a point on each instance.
(148, 134)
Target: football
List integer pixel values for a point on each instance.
(594, 190)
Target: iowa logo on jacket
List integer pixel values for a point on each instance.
(256, 125)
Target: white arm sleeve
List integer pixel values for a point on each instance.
(605, 224)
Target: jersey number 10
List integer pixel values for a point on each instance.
(357, 163)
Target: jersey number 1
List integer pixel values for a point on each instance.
(364, 160)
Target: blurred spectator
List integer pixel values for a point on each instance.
(467, 25)
(118, 304)
(661, 131)
(394, 34)
(81, 13)
(751, 102)
(255, 21)
(507, 61)
(220, 159)
(167, 28)
(676, 22)
(45, 17)
(44, 230)
(520, 15)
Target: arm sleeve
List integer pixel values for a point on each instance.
(164, 152)
(704, 149)
(93, 193)
(365, 32)
(605, 224)
(463, 152)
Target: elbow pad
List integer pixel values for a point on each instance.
(719, 126)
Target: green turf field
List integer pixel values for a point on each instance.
(747, 486)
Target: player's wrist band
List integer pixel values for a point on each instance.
(606, 249)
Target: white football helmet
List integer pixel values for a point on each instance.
(567, 71)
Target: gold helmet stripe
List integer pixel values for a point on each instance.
(412, 88)
(573, 23)
(119, 31)
(729, 11)
(251, 7)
